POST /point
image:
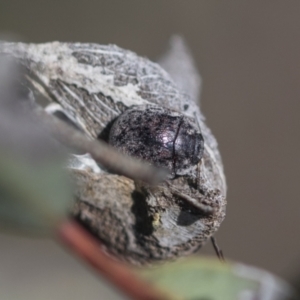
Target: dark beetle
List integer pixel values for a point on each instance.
(160, 136)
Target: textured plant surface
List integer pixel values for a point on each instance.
(93, 85)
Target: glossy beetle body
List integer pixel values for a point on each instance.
(160, 136)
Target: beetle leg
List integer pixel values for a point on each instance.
(206, 209)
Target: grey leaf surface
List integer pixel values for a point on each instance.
(180, 64)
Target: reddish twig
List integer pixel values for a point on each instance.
(89, 249)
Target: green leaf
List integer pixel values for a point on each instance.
(34, 189)
(33, 197)
(209, 279)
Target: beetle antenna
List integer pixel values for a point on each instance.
(218, 250)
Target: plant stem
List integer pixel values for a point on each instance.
(81, 242)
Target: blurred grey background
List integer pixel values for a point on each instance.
(248, 53)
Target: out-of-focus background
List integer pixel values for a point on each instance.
(248, 53)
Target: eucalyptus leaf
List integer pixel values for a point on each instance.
(32, 198)
(209, 279)
(35, 192)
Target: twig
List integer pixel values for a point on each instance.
(101, 152)
(70, 233)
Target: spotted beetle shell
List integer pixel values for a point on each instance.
(160, 136)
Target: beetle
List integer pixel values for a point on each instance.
(160, 136)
